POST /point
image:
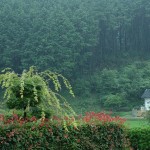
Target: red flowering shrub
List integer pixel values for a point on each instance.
(96, 118)
(94, 131)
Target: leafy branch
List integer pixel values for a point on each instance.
(31, 89)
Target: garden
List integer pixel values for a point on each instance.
(41, 118)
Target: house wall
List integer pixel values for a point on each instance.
(147, 103)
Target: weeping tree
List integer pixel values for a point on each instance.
(32, 89)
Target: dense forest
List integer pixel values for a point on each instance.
(101, 46)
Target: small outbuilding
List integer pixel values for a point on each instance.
(146, 96)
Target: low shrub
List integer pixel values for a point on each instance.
(101, 137)
(147, 116)
(139, 138)
(63, 134)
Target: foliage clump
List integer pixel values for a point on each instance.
(113, 101)
(148, 116)
(95, 131)
(140, 138)
(31, 90)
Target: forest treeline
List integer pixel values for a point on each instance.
(118, 89)
(77, 38)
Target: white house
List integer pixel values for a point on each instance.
(146, 96)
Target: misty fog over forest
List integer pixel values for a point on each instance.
(101, 46)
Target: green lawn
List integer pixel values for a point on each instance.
(137, 123)
(123, 114)
(132, 122)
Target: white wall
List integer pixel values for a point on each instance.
(147, 103)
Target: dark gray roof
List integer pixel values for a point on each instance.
(146, 94)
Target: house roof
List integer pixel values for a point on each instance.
(146, 94)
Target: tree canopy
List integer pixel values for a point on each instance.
(73, 37)
(31, 89)
(81, 39)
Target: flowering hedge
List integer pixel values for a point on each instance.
(94, 131)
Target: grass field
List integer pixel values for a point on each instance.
(137, 123)
(133, 122)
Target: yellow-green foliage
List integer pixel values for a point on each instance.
(31, 89)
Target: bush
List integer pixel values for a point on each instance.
(148, 116)
(62, 134)
(37, 112)
(140, 138)
(101, 137)
(32, 89)
(113, 101)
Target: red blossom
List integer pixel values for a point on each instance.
(66, 118)
(33, 119)
(66, 136)
(1, 117)
(15, 117)
(92, 117)
(42, 124)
